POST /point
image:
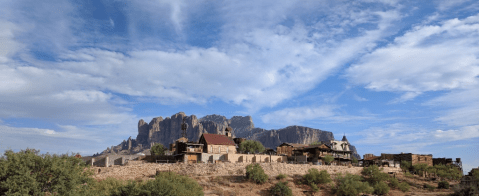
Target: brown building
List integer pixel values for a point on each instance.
(289, 148)
(217, 144)
(414, 158)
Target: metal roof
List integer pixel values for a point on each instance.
(215, 139)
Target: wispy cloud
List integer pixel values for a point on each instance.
(427, 58)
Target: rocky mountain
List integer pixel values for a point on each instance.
(166, 131)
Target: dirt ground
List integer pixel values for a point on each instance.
(228, 178)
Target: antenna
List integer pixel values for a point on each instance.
(184, 127)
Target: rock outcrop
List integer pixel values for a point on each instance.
(166, 131)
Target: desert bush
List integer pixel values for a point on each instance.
(406, 165)
(443, 185)
(403, 186)
(165, 183)
(105, 186)
(317, 177)
(281, 189)
(27, 173)
(158, 149)
(428, 187)
(420, 168)
(407, 174)
(354, 160)
(314, 187)
(281, 176)
(255, 173)
(465, 190)
(393, 182)
(351, 185)
(381, 188)
(448, 172)
(327, 159)
(374, 175)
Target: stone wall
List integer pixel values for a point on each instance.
(254, 158)
(110, 160)
(207, 169)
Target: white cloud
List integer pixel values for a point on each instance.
(400, 135)
(293, 116)
(427, 58)
(358, 98)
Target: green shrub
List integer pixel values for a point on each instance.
(314, 187)
(374, 175)
(255, 173)
(465, 190)
(393, 182)
(450, 172)
(27, 173)
(105, 186)
(381, 188)
(281, 189)
(157, 149)
(351, 185)
(406, 165)
(317, 177)
(443, 185)
(428, 187)
(407, 174)
(328, 159)
(354, 160)
(403, 186)
(281, 176)
(420, 168)
(251, 146)
(165, 183)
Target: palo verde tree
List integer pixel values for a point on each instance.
(158, 149)
(251, 146)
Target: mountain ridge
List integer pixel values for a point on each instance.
(167, 130)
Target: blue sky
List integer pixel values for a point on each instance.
(394, 76)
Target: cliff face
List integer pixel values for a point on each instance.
(166, 131)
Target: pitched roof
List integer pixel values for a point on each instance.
(216, 139)
(295, 145)
(344, 139)
(372, 158)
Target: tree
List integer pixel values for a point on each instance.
(158, 149)
(405, 165)
(251, 146)
(475, 173)
(316, 143)
(328, 158)
(354, 160)
(374, 175)
(27, 173)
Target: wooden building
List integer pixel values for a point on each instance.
(290, 149)
(217, 144)
(414, 158)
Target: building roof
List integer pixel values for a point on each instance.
(216, 139)
(344, 139)
(295, 145)
(372, 158)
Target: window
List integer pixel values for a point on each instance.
(219, 149)
(211, 149)
(227, 149)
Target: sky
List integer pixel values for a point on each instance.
(393, 76)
